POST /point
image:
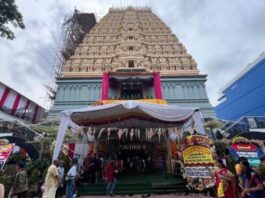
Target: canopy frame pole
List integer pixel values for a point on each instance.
(82, 151)
(169, 156)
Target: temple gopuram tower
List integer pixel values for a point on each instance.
(130, 55)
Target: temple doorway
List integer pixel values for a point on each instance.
(131, 89)
(137, 152)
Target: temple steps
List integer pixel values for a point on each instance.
(133, 186)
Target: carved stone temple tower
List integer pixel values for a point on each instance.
(130, 54)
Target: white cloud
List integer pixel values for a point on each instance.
(222, 35)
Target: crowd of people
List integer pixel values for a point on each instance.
(241, 180)
(94, 170)
(245, 183)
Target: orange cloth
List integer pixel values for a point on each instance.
(173, 146)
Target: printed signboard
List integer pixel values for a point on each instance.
(247, 150)
(5, 151)
(198, 161)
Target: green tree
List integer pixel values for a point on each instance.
(9, 14)
(212, 124)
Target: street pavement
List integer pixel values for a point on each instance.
(153, 196)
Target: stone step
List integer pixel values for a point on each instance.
(127, 189)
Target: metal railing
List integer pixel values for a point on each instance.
(244, 124)
(18, 129)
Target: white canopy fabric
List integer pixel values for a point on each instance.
(126, 110)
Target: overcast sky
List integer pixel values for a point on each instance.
(223, 36)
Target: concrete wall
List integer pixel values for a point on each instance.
(187, 92)
(74, 94)
(78, 93)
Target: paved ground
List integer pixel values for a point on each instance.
(152, 196)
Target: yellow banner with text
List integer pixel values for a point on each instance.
(197, 155)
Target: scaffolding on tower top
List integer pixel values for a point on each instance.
(75, 28)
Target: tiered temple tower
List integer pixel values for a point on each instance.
(131, 54)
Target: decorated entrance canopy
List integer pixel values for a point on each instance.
(127, 114)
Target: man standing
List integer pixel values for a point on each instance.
(110, 177)
(20, 186)
(70, 179)
(60, 170)
(51, 181)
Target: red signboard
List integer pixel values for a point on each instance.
(243, 147)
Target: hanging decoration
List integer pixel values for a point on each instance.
(108, 133)
(100, 132)
(75, 128)
(172, 136)
(90, 136)
(159, 133)
(151, 134)
(131, 134)
(120, 132)
(139, 134)
(126, 132)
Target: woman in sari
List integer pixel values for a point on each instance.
(252, 186)
(225, 181)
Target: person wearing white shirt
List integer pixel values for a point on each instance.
(70, 179)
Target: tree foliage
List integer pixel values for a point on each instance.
(213, 124)
(9, 14)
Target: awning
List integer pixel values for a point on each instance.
(114, 114)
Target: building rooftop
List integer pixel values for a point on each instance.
(243, 72)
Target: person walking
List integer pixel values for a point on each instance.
(251, 183)
(110, 178)
(70, 179)
(20, 185)
(51, 181)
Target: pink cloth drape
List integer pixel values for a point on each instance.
(105, 87)
(157, 86)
